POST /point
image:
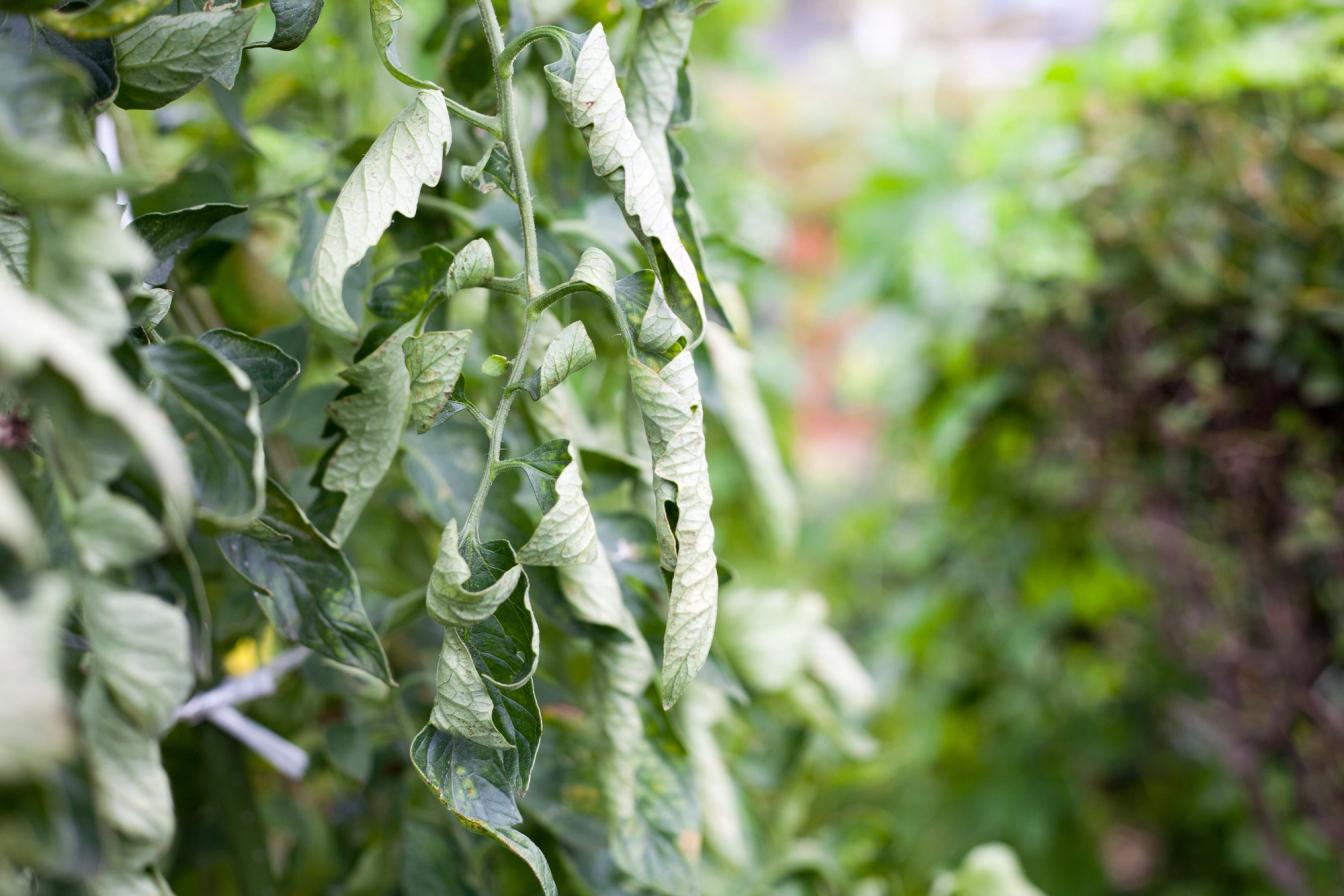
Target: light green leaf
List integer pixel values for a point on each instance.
(384, 15)
(103, 20)
(462, 705)
(214, 408)
(305, 585)
(372, 419)
(476, 783)
(584, 81)
(269, 367)
(989, 870)
(566, 534)
(473, 266)
(570, 351)
(168, 233)
(407, 155)
(36, 336)
(434, 362)
(495, 365)
(294, 19)
(35, 730)
(162, 58)
(149, 305)
(141, 652)
(674, 422)
(466, 590)
(110, 531)
(658, 56)
(129, 784)
(594, 594)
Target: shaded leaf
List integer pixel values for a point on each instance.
(268, 366)
(101, 20)
(305, 585)
(476, 785)
(168, 233)
(213, 407)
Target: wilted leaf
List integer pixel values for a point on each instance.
(566, 534)
(465, 590)
(407, 155)
(570, 351)
(385, 14)
(434, 362)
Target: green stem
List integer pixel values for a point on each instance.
(494, 37)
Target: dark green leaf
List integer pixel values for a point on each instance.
(214, 409)
(305, 585)
(294, 19)
(168, 233)
(269, 367)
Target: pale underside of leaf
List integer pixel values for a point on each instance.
(570, 351)
(433, 362)
(461, 703)
(372, 420)
(586, 86)
(451, 598)
(407, 155)
(674, 422)
(566, 534)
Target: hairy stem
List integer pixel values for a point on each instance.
(494, 37)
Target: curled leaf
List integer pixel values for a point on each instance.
(584, 81)
(467, 590)
(566, 534)
(384, 15)
(407, 155)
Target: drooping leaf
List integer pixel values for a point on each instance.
(434, 362)
(305, 585)
(268, 366)
(213, 407)
(462, 705)
(407, 155)
(168, 233)
(584, 81)
(111, 531)
(37, 337)
(566, 534)
(36, 733)
(657, 60)
(674, 422)
(141, 652)
(470, 580)
(476, 784)
(294, 19)
(384, 15)
(371, 419)
(163, 57)
(506, 646)
(570, 351)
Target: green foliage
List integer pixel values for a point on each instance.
(318, 379)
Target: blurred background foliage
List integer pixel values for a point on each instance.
(1048, 305)
(1045, 302)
